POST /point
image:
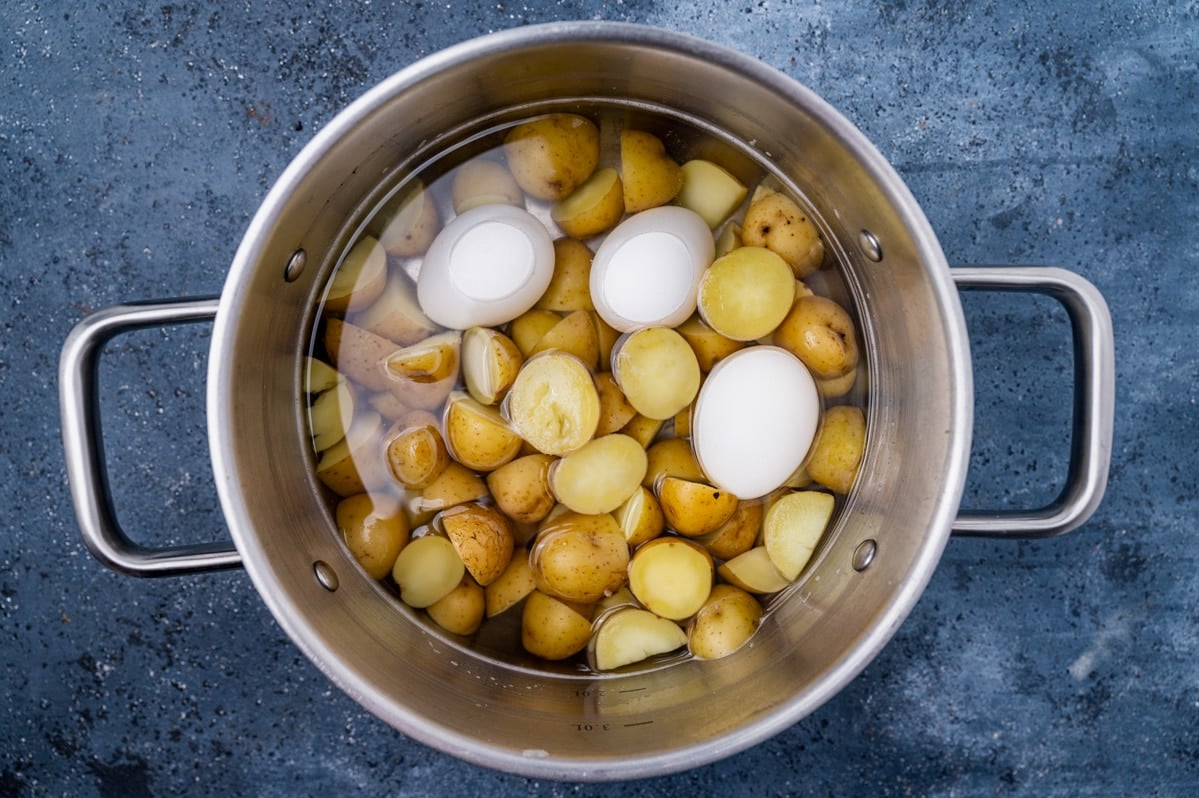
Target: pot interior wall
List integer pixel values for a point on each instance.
(575, 726)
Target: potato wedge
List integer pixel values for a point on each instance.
(793, 526)
(482, 536)
(726, 622)
(629, 635)
(426, 570)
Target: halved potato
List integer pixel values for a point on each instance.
(837, 453)
(640, 517)
(580, 557)
(599, 476)
(710, 190)
(726, 622)
(482, 536)
(426, 570)
(753, 572)
(694, 508)
(477, 435)
(553, 629)
(374, 529)
(574, 334)
(409, 223)
(793, 526)
(595, 206)
(630, 635)
(521, 488)
(482, 182)
(359, 278)
(423, 374)
(774, 221)
(671, 577)
(552, 155)
(460, 611)
(553, 403)
(650, 176)
(330, 415)
(396, 314)
(510, 587)
(416, 452)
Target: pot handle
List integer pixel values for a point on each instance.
(1094, 401)
(84, 447)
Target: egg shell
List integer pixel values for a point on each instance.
(485, 268)
(754, 420)
(646, 272)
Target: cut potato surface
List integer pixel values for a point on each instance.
(631, 635)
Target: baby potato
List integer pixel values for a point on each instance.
(671, 457)
(592, 208)
(580, 557)
(650, 176)
(374, 529)
(460, 611)
(794, 525)
(837, 452)
(476, 435)
(395, 314)
(774, 221)
(575, 334)
(680, 425)
(728, 239)
(736, 535)
(671, 577)
(409, 223)
(657, 370)
(570, 286)
(387, 405)
(490, 362)
(630, 635)
(553, 403)
(710, 347)
(358, 354)
(416, 452)
(607, 336)
(354, 463)
(745, 294)
(553, 629)
(710, 190)
(530, 327)
(753, 572)
(360, 277)
(319, 376)
(598, 477)
(330, 415)
(836, 387)
(521, 488)
(551, 156)
(820, 333)
(423, 374)
(726, 622)
(694, 508)
(482, 536)
(510, 587)
(482, 182)
(456, 484)
(642, 429)
(426, 570)
(640, 517)
(615, 410)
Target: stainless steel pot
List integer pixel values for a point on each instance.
(871, 571)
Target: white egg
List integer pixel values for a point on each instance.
(754, 421)
(485, 268)
(646, 272)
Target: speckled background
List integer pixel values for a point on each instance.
(137, 139)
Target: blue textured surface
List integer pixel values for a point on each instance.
(137, 139)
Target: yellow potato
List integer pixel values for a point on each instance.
(409, 223)
(820, 333)
(642, 429)
(460, 611)
(319, 376)
(580, 557)
(426, 570)
(728, 239)
(553, 629)
(476, 435)
(736, 535)
(509, 588)
(358, 354)
(615, 410)
(387, 405)
(570, 286)
(598, 477)
(456, 484)
(710, 190)
(423, 374)
(374, 529)
(774, 221)
(396, 314)
(754, 572)
(837, 452)
(640, 517)
(551, 156)
(483, 538)
(521, 488)
(671, 457)
(490, 362)
(836, 387)
(650, 176)
(745, 294)
(354, 463)
(482, 182)
(793, 526)
(330, 415)
(416, 452)
(359, 278)
(553, 404)
(671, 577)
(575, 334)
(657, 371)
(694, 508)
(592, 208)
(607, 336)
(726, 622)
(680, 425)
(530, 327)
(710, 347)
(629, 635)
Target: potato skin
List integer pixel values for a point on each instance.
(375, 530)
(724, 623)
(553, 629)
(521, 488)
(460, 611)
(483, 537)
(551, 156)
(820, 332)
(839, 446)
(580, 558)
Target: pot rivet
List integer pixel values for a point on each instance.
(325, 575)
(863, 555)
(871, 248)
(295, 265)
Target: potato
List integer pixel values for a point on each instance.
(599, 476)
(409, 223)
(736, 535)
(426, 570)
(671, 457)
(423, 374)
(629, 635)
(836, 387)
(553, 629)
(482, 182)
(416, 452)
(490, 362)
(592, 208)
(657, 371)
(640, 517)
(482, 536)
(615, 410)
(358, 353)
(728, 239)
(570, 286)
(710, 190)
(820, 333)
(650, 176)
(745, 294)
(553, 403)
(575, 334)
(530, 327)
(671, 577)
(359, 278)
(396, 314)
(510, 587)
(753, 572)
(374, 530)
(551, 156)
(774, 221)
(354, 463)
(521, 488)
(694, 508)
(680, 425)
(793, 526)
(837, 452)
(710, 347)
(726, 622)
(476, 435)
(580, 557)
(330, 415)
(387, 405)
(319, 376)
(607, 336)
(642, 429)
(460, 611)
(621, 598)
(456, 484)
